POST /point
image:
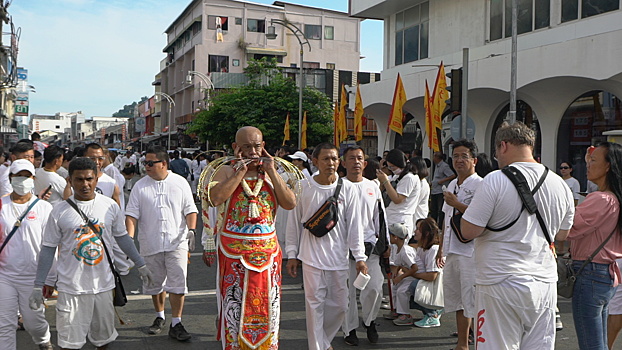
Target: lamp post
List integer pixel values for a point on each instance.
(271, 34)
(171, 104)
(206, 80)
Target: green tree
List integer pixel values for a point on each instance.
(264, 103)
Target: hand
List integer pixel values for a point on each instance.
(191, 239)
(450, 199)
(209, 257)
(397, 279)
(292, 267)
(382, 177)
(43, 195)
(48, 291)
(145, 274)
(361, 267)
(36, 299)
(440, 260)
(267, 161)
(238, 165)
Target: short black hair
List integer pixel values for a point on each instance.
(52, 153)
(69, 155)
(82, 163)
(35, 136)
(160, 153)
(22, 147)
(79, 151)
(321, 146)
(93, 145)
(468, 144)
(353, 148)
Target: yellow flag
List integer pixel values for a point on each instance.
(441, 95)
(358, 115)
(337, 133)
(286, 130)
(397, 113)
(343, 135)
(429, 123)
(303, 133)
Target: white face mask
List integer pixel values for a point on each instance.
(397, 171)
(22, 185)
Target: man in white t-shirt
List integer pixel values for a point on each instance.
(21, 150)
(459, 281)
(371, 295)
(85, 280)
(325, 259)
(516, 270)
(162, 208)
(47, 176)
(109, 169)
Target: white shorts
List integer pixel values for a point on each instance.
(79, 316)
(169, 271)
(459, 284)
(615, 304)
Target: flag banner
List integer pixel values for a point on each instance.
(440, 95)
(336, 124)
(343, 129)
(429, 123)
(397, 114)
(286, 130)
(358, 115)
(303, 133)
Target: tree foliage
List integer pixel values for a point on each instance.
(128, 110)
(264, 103)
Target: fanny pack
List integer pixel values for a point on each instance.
(325, 218)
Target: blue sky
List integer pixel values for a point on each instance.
(95, 56)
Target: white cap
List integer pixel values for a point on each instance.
(22, 164)
(300, 155)
(398, 230)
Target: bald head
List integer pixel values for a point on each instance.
(245, 131)
(248, 142)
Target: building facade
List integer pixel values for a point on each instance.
(568, 74)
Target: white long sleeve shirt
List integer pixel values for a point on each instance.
(329, 252)
(370, 197)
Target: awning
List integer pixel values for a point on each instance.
(265, 51)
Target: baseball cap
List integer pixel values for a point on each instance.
(22, 164)
(300, 155)
(398, 230)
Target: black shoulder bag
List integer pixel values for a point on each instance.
(18, 223)
(325, 218)
(118, 296)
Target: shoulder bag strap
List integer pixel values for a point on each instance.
(18, 223)
(591, 257)
(338, 189)
(90, 223)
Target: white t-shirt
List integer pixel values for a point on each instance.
(105, 185)
(521, 250)
(465, 193)
(64, 173)
(161, 208)
(329, 252)
(402, 213)
(575, 187)
(82, 264)
(18, 261)
(370, 197)
(406, 258)
(423, 205)
(5, 183)
(119, 180)
(426, 259)
(44, 178)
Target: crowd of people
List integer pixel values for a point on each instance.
(488, 238)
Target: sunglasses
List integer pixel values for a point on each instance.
(564, 167)
(151, 162)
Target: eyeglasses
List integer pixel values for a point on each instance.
(462, 156)
(151, 162)
(564, 167)
(97, 158)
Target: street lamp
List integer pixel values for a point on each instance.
(171, 104)
(271, 35)
(206, 80)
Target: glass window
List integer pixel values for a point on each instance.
(570, 10)
(196, 28)
(211, 22)
(218, 63)
(399, 53)
(525, 17)
(595, 7)
(330, 66)
(532, 15)
(411, 42)
(329, 32)
(496, 19)
(238, 21)
(312, 65)
(399, 21)
(411, 17)
(423, 40)
(543, 14)
(256, 25)
(313, 31)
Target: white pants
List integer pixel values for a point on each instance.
(459, 284)
(518, 313)
(326, 304)
(13, 297)
(370, 297)
(401, 298)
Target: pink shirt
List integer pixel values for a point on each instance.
(594, 220)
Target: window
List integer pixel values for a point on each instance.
(312, 65)
(532, 15)
(411, 34)
(313, 31)
(574, 9)
(238, 21)
(224, 22)
(57, 126)
(258, 56)
(196, 28)
(329, 32)
(330, 66)
(218, 63)
(256, 25)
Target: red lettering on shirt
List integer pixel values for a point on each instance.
(480, 323)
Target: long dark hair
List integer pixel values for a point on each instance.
(370, 170)
(430, 233)
(419, 167)
(614, 157)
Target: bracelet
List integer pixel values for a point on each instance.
(385, 182)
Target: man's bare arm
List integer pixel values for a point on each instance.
(470, 231)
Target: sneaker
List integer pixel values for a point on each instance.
(157, 325)
(390, 315)
(352, 339)
(403, 320)
(372, 333)
(179, 332)
(428, 322)
(46, 346)
(558, 323)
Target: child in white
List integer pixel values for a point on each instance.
(405, 260)
(427, 235)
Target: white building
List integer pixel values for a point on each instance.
(57, 122)
(219, 37)
(569, 71)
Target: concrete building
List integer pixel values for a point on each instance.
(9, 44)
(219, 37)
(569, 73)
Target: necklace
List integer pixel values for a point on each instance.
(253, 207)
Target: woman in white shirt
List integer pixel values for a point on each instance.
(565, 170)
(301, 161)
